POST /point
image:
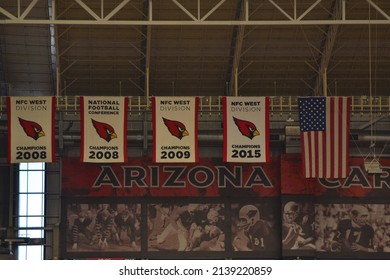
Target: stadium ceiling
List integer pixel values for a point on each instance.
(195, 47)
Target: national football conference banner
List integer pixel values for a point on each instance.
(175, 129)
(103, 129)
(246, 129)
(31, 135)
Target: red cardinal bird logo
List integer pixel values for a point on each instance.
(246, 128)
(104, 130)
(32, 129)
(176, 128)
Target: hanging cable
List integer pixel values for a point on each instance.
(373, 165)
(372, 144)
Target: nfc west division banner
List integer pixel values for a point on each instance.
(246, 129)
(175, 129)
(31, 129)
(103, 129)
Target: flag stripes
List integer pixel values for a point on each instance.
(324, 124)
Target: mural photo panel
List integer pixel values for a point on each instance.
(186, 227)
(349, 229)
(298, 226)
(103, 228)
(255, 229)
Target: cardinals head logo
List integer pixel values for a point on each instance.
(176, 128)
(246, 128)
(32, 129)
(104, 130)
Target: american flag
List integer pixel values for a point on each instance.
(324, 126)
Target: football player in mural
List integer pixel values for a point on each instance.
(104, 226)
(385, 244)
(125, 223)
(191, 227)
(207, 234)
(297, 228)
(186, 224)
(176, 228)
(159, 216)
(81, 226)
(327, 241)
(355, 234)
(254, 233)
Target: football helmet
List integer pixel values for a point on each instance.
(248, 216)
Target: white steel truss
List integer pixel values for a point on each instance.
(106, 17)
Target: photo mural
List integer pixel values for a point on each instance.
(217, 210)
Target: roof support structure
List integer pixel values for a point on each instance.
(327, 48)
(53, 50)
(146, 43)
(3, 84)
(236, 49)
(22, 17)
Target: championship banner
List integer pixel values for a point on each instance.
(175, 129)
(103, 129)
(246, 129)
(31, 122)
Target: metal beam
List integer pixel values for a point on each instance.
(359, 105)
(53, 50)
(288, 20)
(28, 9)
(147, 59)
(213, 10)
(309, 9)
(281, 10)
(327, 48)
(379, 10)
(196, 23)
(88, 10)
(147, 46)
(185, 10)
(116, 9)
(236, 49)
(7, 14)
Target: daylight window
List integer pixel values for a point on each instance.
(31, 209)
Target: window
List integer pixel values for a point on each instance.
(31, 208)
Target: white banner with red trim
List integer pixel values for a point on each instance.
(175, 129)
(103, 129)
(31, 123)
(246, 129)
